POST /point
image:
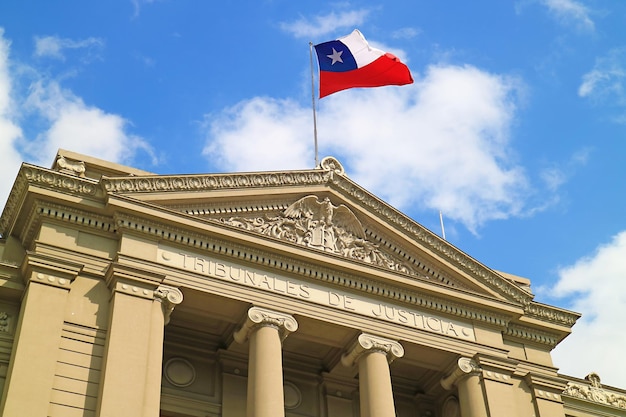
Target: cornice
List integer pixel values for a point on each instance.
(230, 249)
(30, 174)
(65, 214)
(358, 195)
(532, 335)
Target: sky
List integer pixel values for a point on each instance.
(514, 129)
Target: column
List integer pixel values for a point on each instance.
(467, 377)
(131, 375)
(30, 376)
(373, 355)
(265, 329)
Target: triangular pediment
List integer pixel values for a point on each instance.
(321, 211)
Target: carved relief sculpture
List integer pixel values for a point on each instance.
(323, 226)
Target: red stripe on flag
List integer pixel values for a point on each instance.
(386, 70)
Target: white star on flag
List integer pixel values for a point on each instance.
(335, 56)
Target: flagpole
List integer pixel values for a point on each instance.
(313, 104)
(443, 231)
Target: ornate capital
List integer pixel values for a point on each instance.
(464, 368)
(370, 343)
(169, 297)
(258, 317)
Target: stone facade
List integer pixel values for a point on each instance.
(298, 293)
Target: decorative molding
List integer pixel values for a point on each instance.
(464, 367)
(594, 392)
(368, 342)
(169, 297)
(292, 394)
(163, 183)
(60, 180)
(179, 372)
(532, 335)
(258, 317)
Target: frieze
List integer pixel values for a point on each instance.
(314, 293)
(235, 251)
(595, 393)
(319, 224)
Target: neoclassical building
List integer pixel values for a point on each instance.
(264, 294)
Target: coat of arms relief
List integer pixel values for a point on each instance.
(321, 225)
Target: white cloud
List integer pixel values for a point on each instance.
(597, 287)
(607, 79)
(63, 118)
(571, 12)
(441, 144)
(54, 46)
(10, 132)
(405, 33)
(79, 127)
(261, 134)
(320, 26)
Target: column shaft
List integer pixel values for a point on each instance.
(265, 374)
(376, 395)
(471, 396)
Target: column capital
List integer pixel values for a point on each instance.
(169, 297)
(368, 342)
(465, 367)
(258, 317)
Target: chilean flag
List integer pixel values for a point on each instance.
(350, 62)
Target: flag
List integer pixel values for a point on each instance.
(350, 62)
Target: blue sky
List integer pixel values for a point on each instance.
(514, 128)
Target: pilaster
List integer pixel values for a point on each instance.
(139, 308)
(546, 392)
(497, 376)
(33, 362)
